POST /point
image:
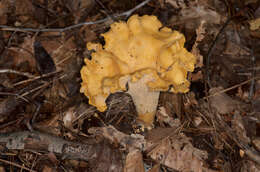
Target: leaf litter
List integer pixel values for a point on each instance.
(47, 125)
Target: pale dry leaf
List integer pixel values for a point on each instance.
(254, 24)
(197, 121)
(68, 117)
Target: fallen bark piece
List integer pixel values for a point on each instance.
(129, 142)
(96, 154)
(172, 149)
(133, 144)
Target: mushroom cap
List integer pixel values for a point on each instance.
(133, 49)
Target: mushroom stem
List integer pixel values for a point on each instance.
(145, 100)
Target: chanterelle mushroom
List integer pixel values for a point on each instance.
(143, 54)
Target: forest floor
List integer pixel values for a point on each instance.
(46, 124)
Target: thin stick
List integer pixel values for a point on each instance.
(36, 78)
(16, 165)
(17, 72)
(106, 10)
(233, 87)
(127, 14)
(212, 47)
(17, 95)
(252, 86)
(46, 84)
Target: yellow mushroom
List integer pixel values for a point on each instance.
(142, 53)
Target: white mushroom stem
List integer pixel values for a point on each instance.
(145, 100)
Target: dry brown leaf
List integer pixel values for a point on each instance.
(256, 143)
(3, 11)
(156, 168)
(177, 4)
(178, 153)
(60, 50)
(23, 7)
(238, 127)
(164, 117)
(2, 169)
(194, 13)
(53, 158)
(24, 53)
(235, 49)
(155, 135)
(75, 116)
(200, 31)
(254, 24)
(249, 166)
(47, 169)
(134, 162)
(221, 101)
(3, 7)
(172, 104)
(78, 7)
(51, 125)
(134, 144)
(250, 1)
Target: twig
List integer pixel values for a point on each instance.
(14, 94)
(126, 14)
(45, 85)
(249, 151)
(17, 72)
(106, 10)
(212, 47)
(233, 87)
(90, 110)
(252, 86)
(16, 165)
(36, 78)
(252, 154)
